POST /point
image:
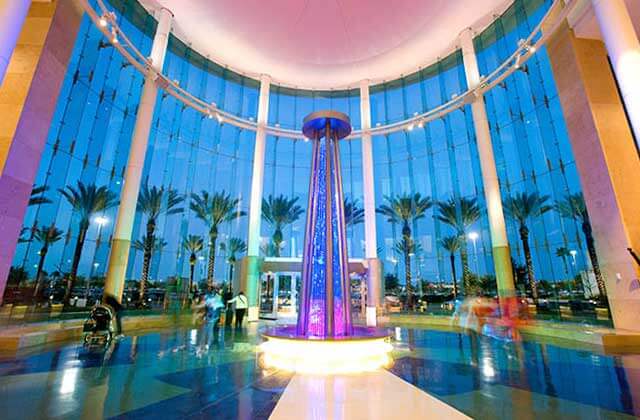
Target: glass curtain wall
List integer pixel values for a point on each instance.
(531, 144)
(89, 142)
(438, 161)
(91, 133)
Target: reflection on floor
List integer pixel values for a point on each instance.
(173, 375)
(368, 396)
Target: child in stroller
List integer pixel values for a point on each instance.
(98, 328)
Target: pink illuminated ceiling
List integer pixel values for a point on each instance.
(326, 43)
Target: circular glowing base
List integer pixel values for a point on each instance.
(367, 350)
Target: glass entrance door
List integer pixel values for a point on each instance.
(268, 296)
(288, 289)
(279, 295)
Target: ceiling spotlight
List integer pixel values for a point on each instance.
(533, 49)
(220, 118)
(410, 127)
(114, 36)
(103, 21)
(421, 124)
(306, 139)
(209, 115)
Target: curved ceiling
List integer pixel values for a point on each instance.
(325, 44)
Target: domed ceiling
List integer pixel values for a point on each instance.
(326, 43)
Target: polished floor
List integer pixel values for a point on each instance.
(436, 374)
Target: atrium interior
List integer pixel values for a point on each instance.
(236, 209)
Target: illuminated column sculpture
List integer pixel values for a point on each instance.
(325, 299)
(375, 286)
(12, 16)
(250, 267)
(623, 47)
(121, 243)
(499, 241)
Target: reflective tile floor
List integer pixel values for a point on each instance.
(171, 375)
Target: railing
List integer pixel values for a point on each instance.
(106, 22)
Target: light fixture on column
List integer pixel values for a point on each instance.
(516, 63)
(114, 36)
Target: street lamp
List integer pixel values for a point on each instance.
(474, 237)
(100, 221)
(573, 253)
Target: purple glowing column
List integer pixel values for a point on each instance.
(325, 305)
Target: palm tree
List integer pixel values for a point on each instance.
(563, 253)
(214, 210)
(280, 212)
(407, 247)
(150, 203)
(353, 213)
(37, 195)
(233, 247)
(460, 214)
(574, 207)
(46, 236)
(452, 244)
(148, 245)
(86, 200)
(522, 207)
(406, 209)
(193, 244)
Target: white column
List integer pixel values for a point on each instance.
(12, 16)
(374, 267)
(250, 276)
(499, 241)
(368, 189)
(257, 179)
(121, 242)
(623, 47)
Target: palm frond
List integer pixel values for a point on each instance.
(451, 244)
(459, 213)
(523, 206)
(193, 244)
(88, 200)
(281, 211)
(353, 213)
(405, 208)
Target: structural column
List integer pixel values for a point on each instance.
(623, 47)
(250, 268)
(607, 162)
(28, 100)
(121, 242)
(499, 241)
(375, 286)
(12, 16)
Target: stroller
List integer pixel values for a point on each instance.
(98, 328)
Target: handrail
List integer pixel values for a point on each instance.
(106, 22)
